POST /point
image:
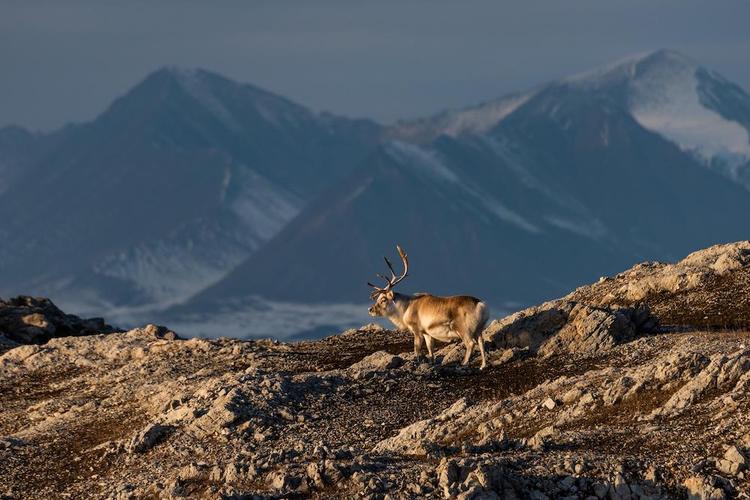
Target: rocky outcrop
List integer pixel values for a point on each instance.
(708, 288)
(34, 320)
(565, 326)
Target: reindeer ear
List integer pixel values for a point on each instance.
(389, 294)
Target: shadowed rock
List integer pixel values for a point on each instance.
(35, 320)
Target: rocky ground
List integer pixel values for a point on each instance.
(615, 391)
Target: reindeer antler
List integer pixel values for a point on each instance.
(393, 280)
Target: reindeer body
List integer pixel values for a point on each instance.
(429, 317)
(444, 319)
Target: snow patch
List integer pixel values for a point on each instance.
(624, 68)
(173, 269)
(666, 100)
(663, 95)
(503, 151)
(505, 214)
(421, 159)
(195, 84)
(483, 117)
(592, 229)
(585, 224)
(476, 119)
(263, 206)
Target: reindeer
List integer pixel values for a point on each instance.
(430, 317)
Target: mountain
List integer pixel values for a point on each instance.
(692, 106)
(178, 181)
(522, 198)
(664, 91)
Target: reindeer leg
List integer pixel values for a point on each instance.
(418, 340)
(480, 341)
(428, 343)
(469, 343)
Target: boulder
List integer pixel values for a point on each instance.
(700, 488)
(590, 330)
(35, 320)
(734, 455)
(148, 437)
(377, 361)
(565, 326)
(160, 332)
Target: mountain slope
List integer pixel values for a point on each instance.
(20, 150)
(646, 190)
(474, 119)
(15, 146)
(565, 187)
(179, 180)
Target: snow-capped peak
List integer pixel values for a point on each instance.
(630, 67)
(665, 92)
(197, 83)
(218, 95)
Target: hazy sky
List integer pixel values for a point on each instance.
(65, 61)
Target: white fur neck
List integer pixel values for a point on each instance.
(401, 304)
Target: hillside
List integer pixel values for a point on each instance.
(617, 390)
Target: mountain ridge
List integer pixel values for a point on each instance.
(564, 165)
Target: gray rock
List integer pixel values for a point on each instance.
(148, 437)
(377, 361)
(734, 455)
(567, 326)
(549, 403)
(160, 332)
(700, 488)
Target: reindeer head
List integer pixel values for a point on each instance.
(383, 297)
